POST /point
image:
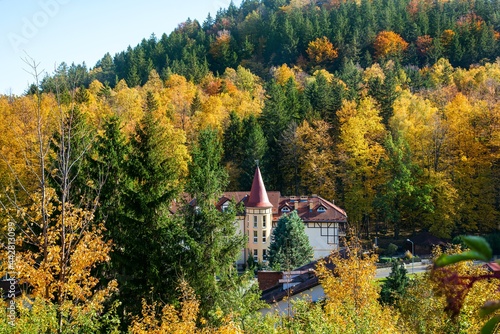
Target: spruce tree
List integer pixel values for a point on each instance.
(395, 285)
(290, 246)
(212, 245)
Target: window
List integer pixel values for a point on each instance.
(321, 209)
(264, 254)
(255, 237)
(285, 209)
(264, 238)
(256, 255)
(225, 206)
(255, 221)
(264, 222)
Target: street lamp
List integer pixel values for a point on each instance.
(412, 255)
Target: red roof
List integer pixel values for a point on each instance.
(258, 194)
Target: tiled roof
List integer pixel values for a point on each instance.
(305, 278)
(258, 194)
(309, 209)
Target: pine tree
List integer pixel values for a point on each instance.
(290, 246)
(395, 285)
(211, 243)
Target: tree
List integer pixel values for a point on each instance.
(321, 51)
(316, 158)
(253, 148)
(395, 285)
(290, 246)
(211, 245)
(150, 237)
(360, 150)
(351, 296)
(389, 44)
(402, 198)
(59, 244)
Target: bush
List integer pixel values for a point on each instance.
(391, 249)
(385, 259)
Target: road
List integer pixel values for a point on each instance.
(418, 268)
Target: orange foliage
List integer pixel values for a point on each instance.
(471, 20)
(424, 44)
(388, 43)
(220, 44)
(321, 50)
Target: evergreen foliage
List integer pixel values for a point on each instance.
(395, 284)
(290, 246)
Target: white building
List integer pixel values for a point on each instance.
(324, 221)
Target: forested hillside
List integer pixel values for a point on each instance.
(390, 108)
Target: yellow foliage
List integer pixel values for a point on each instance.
(351, 296)
(183, 320)
(316, 158)
(388, 43)
(321, 50)
(283, 73)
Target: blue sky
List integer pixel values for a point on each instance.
(55, 31)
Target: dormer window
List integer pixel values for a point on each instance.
(285, 209)
(225, 206)
(321, 209)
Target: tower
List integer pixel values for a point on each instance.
(258, 219)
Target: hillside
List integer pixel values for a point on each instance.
(388, 109)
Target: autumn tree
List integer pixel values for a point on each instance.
(360, 151)
(321, 51)
(316, 159)
(351, 304)
(59, 244)
(290, 246)
(389, 44)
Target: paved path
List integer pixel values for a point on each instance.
(418, 268)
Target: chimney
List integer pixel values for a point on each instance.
(268, 279)
(296, 205)
(311, 206)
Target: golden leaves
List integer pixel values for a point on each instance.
(321, 50)
(388, 43)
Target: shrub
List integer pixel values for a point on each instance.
(391, 249)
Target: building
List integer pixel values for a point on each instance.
(324, 222)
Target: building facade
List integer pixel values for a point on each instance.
(324, 222)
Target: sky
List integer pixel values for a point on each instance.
(75, 31)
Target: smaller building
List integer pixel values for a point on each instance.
(324, 222)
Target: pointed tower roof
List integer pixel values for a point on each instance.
(258, 194)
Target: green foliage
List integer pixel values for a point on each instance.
(394, 286)
(211, 243)
(290, 247)
(391, 249)
(479, 250)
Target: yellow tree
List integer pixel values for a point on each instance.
(471, 161)
(180, 93)
(58, 244)
(183, 319)
(389, 44)
(351, 297)
(321, 51)
(426, 132)
(316, 158)
(360, 150)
